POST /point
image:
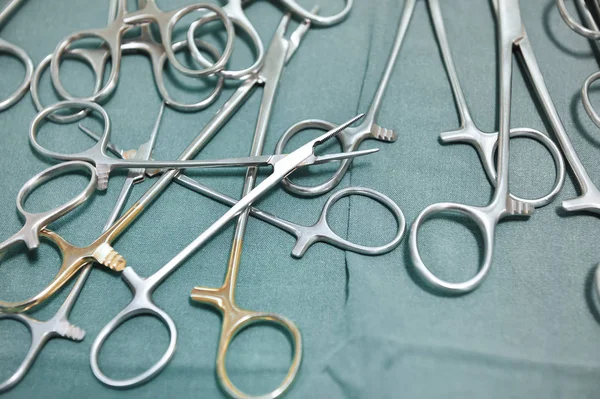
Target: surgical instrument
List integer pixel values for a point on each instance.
(352, 138)
(511, 34)
(485, 143)
(142, 288)
(305, 235)
(17, 52)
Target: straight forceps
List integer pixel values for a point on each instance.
(485, 143)
(351, 138)
(305, 235)
(58, 326)
(511, 36)
(19, 53)
(112, 36)
(233, 9)
(142, 288)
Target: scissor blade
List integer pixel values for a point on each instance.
(338, 157)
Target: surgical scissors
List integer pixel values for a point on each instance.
(58, 326)
(105, 164)
(483, 142)
(305, 235)
(142, 288)
(113, 33)
(233, 9)
(19, 53)
(351, 138)
(511, 36)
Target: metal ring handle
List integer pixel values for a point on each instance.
(141, 304)
(574, 25)
(325, 232)
(328, 185)
(559, 165)
(240, 74)
(200, 105)
(315, 19)
(34, 348)
(76, 104)
(585, 98)
(21, 55)
(166, 33)
(245, 321)
(37, 221)
(96, 59)
(487, 232)
(114, 48)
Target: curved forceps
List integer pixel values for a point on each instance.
(142, 288)
(510, 33)
(351, 138)
(35, 222)
(17, 52)
(113, 33)
(236, 14)
(145, 44)
(485, 143)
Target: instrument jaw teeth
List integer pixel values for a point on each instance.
(107, 256)
(515, 207)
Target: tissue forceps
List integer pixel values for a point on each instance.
(105, 164)
(233, 9)
(351, 138)
(305, 235)
(511, 36)
(17, 52)
(58, 326)
(485, 143)
(100, 250)
(142, 288)
(112, 36)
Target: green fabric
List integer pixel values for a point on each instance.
(369, 327)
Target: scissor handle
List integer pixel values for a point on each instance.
(591, 34)
(234, 321)
(141, 304)
(159, 65)
(486, 145)
(37, 342)
(487, 225)
(21, 55)
(166, 22)
(95, 58)
(34, 222)
(585, 98)
(336, 178)
(238, 19)
(95, 154)
(322, 231)
(112, 36)
(317, 20)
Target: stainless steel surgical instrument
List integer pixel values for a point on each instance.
(19, 53)
(305, 235)
(352, 138)
(511, 37)
(485, 143)
(142, 288)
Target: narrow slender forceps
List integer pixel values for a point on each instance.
(112, 36)
(485, 143)
(142, 288)
(17, 52)
(511, 36)
(233, 9)
(58, 326)
(351, 138)
(305, 235)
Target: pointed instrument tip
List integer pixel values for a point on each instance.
(340, 128)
